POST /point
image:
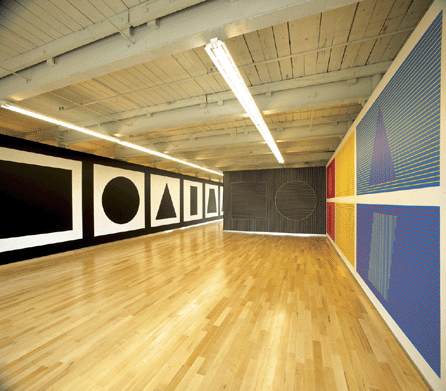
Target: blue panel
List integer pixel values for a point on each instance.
(413, 294)
(405, 121)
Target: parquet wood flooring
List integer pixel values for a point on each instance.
(195, 309)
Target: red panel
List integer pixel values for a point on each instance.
(331, 219)
(331, 179)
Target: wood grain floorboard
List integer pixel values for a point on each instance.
(195, 309)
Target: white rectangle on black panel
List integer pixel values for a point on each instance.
(193, 200)
(248, 200)
(164, 200)
(41, 197)
(119, 202)
(221, 200)
(211, 200)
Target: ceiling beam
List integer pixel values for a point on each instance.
(188, 29)
(177, 167)
(179, 135)
(194, 132)
(305, 81)
(326, 94)
(328, 144)
(269, 166)
(222, 164)
(279, 101)
(219, 159)
(250, 139)
(133, 17)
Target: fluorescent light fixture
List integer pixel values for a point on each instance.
(58, 122)
(115, 140)
(222, 59)
(163, 155)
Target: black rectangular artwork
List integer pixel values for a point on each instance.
(35, 199)
(193, 200)
(248, 200)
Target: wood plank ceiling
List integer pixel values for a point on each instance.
(179, 104)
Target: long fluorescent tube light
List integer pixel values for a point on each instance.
(7, 106)
(57, 122)
(222, 59)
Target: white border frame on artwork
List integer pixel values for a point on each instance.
(21, 242)
(208, 187)
(186, 200)
(102, 175)
(157, 185)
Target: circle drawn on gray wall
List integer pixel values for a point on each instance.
(296, 200)
(120, 200)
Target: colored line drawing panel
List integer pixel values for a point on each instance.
(345, 166)
(413, 293)
(398, 139)
(331, 191)
(345, 230)
(331, 219)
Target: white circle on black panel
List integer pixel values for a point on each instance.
(295, 200)
(120, 200)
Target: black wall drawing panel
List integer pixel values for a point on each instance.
(56, 199)
(295, 200)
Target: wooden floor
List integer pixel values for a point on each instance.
(195, 309)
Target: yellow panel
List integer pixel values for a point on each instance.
(345, 230)
(345, 166)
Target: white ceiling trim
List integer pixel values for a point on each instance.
(340, 92)
(248, 138)
(134, 17)
(305, 81)
(188, 29)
